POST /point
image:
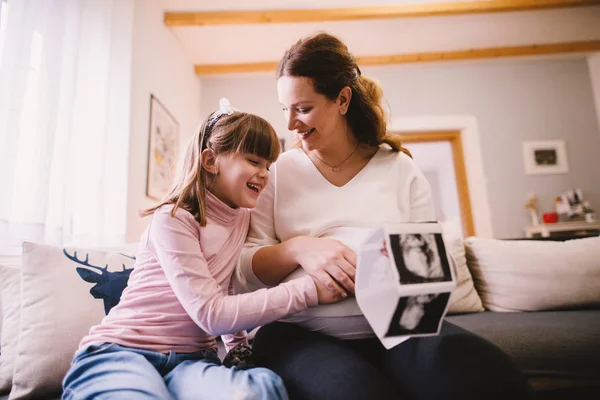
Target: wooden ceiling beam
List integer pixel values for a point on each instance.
(470, 54)
(174, 19)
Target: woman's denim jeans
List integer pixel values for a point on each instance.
(110, 371)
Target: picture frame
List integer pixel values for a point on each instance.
(163, 148)
(545, 157)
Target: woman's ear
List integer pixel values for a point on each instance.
(209, 162)
(343, 99)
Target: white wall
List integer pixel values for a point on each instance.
(435, 159)
(160, 67)
(512, 100)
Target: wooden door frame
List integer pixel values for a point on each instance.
(462, 185)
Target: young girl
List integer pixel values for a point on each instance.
(159, 341)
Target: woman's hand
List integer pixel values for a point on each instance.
(327, 260)
(326, 295)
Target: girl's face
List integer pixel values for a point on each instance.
(240, 179)
(316, 120)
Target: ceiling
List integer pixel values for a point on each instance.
(440, 34)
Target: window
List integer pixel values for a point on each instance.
(3, 23)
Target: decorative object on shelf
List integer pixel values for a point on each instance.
(562, 209)
(571, 206)
(532, 206)
(588, 213)
(573, 217)
(162, 150)
(550, 217)
(545, 157)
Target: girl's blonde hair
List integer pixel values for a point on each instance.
(239, 132)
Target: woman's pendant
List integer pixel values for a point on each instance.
(335, 169)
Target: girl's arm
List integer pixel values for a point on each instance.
(233, 339)
(175, 243)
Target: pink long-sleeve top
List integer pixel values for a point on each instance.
(176, 298)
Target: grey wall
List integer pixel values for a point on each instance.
(513, 101)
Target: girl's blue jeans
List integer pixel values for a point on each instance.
(110, 371)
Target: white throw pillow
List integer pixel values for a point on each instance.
(58, 309)
(464, 298)
(515, 275)
(10, 292)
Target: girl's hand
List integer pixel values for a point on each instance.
(326, 295)
(327, 260)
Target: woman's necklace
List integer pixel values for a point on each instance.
(336, 168)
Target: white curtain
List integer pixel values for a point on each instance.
(64, 121)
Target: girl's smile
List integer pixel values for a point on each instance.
(240, 179)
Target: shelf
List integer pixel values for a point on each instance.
(545, 230)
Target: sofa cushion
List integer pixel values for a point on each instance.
(555, 344)
(464, 298)
(64, 293)
(535, 275)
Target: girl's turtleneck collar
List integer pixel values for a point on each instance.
(219, 211)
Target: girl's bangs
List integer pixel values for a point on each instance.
(260, 139)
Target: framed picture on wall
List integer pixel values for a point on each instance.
(545, 157)
(163, 145)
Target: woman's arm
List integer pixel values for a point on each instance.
(328, 260)
(265, 261)
(421, 200)
(271, 264)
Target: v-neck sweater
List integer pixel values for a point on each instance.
(300, 201)
(177, 295)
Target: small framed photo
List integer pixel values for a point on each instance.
(163, 145)
(545, 157)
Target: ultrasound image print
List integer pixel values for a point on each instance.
(420, 258)
(418, 315)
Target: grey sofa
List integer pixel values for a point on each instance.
(559, 351)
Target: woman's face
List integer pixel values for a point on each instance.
(317, 121)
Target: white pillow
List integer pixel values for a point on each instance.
(524, 275)
(57, 311)
(10, 292)
(464, 298)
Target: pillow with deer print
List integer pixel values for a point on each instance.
(65, 291)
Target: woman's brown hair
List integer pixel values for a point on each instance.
(221, 133)
(327, 61)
